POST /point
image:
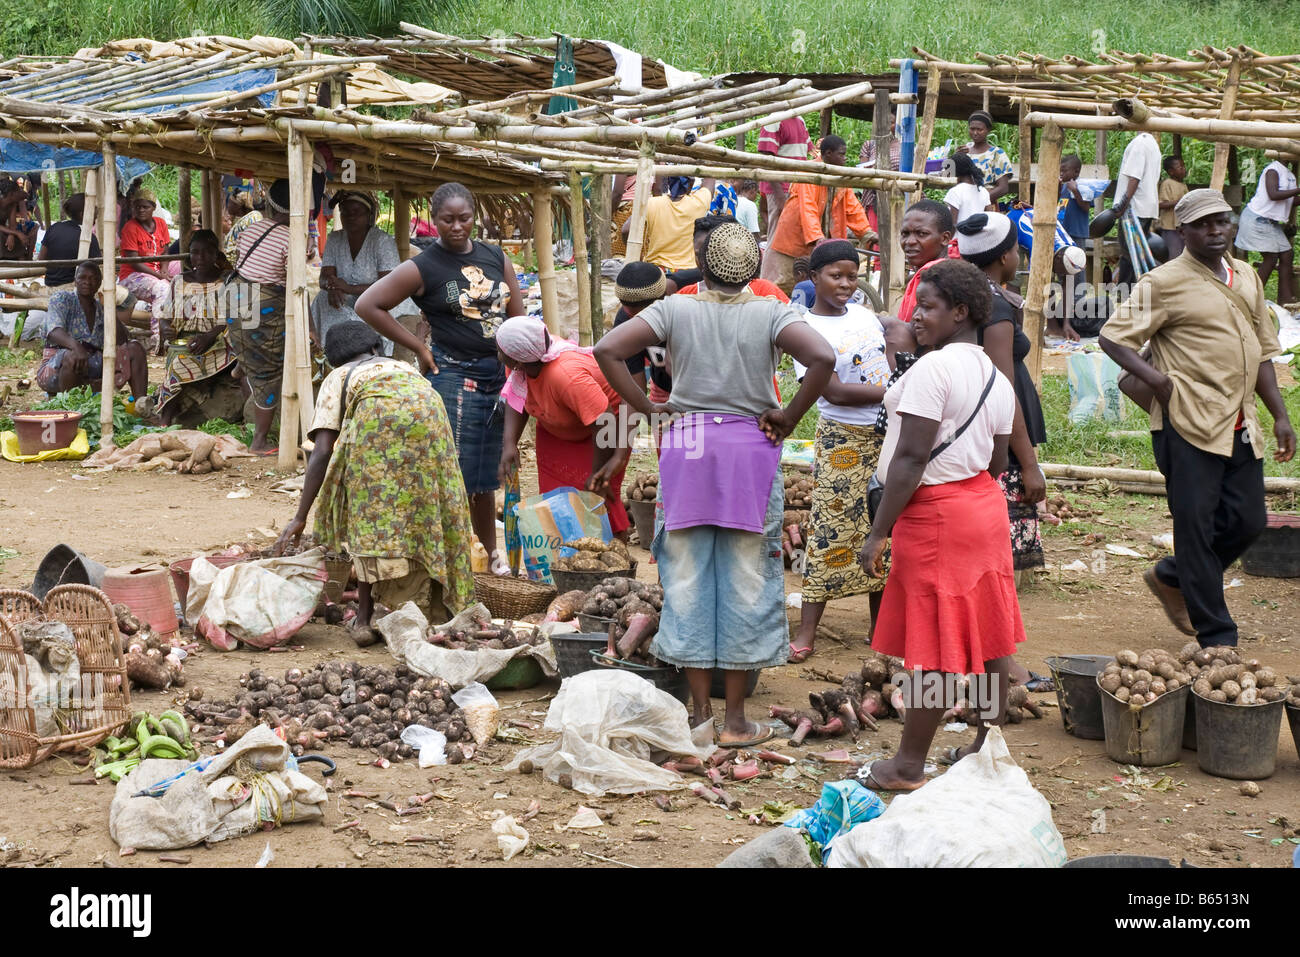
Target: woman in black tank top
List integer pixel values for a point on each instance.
(465, 289)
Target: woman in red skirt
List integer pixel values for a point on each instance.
(949, 607)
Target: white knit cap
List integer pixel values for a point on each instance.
(1074, 259)
(982, 232)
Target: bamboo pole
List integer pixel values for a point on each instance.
(881, 131)
(108, 294)
(1040, 261)
(544, 242)
(1024, 188)
(897, 265)
(600, 244)
(578, 226)
(1088, 473)
(185, 215)
(863, 178)
(402, 223)
(1098, 260)
(857, 91)
(1230, 89)
(928, 115)
(1188, 126)
(88, 213)
(295, 388)
(645, 175)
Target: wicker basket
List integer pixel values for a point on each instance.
(104, 703)
(512, 598)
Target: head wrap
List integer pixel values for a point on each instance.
(724, 200)
(525, 339)
(833, 251)
(640, 282)
(985, 234)
(731, 254)
(364, 197)
(983, 117)
(277, 197)
(677, 186)
(144, 194)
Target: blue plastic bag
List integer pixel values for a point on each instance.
(843, 805)
(561, 515)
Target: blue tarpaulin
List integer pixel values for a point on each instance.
(19, 157)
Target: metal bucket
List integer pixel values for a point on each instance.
(1238, 740)
(1077, 693)
(1149, 735)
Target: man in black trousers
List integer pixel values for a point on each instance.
(1212, 342)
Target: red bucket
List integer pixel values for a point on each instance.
(144, 590)
(45, 431)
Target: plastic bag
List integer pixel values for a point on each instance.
(1094, 388)
(431, 744)
(482, 713)
(610, 723)
(842, 806)
(404, 633)
(53, 672)
(561, 515)
(261, 603)
(982, 813)
(511, 836)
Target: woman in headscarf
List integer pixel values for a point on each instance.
(718, 536)
(560, 385)
(356, 257)
(143, 235)
(198, 349)
(466, 289)
(384, 464)
(240, 209)
(993, 163)
(257, 332)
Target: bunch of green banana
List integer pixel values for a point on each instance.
(166, 736)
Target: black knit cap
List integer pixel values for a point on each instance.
(836, 250)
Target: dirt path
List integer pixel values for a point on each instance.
(1176, 811)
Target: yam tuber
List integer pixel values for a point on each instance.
(800, 721)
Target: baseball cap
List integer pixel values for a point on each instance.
(1199, 203)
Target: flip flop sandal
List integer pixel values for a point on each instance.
(799, 655)
(870, 782)
(765, 734)
(951, 756)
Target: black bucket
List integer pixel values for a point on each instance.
(1123, 861)
(64, 565)
(1146, 735)
(1293, 719)
(1238, 741)
(573, 652)
(1077, 693)
(663, 677)
(1189, 725)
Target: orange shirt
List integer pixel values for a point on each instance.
(144, 243)
(570, 395)
(800, 226)
(759, 287)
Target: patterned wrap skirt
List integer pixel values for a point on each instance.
(845, 458)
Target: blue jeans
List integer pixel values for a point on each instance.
(724, 594)
(475, 414)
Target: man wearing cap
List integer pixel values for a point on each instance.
(1212, 343)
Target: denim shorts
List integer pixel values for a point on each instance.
(475, 414)
(724, 594)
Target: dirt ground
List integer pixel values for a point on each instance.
(1098, 805)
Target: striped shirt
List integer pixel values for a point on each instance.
(269, 262)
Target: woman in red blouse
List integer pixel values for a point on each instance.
(145, 234)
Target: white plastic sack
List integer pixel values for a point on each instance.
(511, 836)
(610, 723)
(404, 632)
(261, 603)
(982, 813)
(431, 744)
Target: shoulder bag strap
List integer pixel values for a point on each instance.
(257, 242)
(988, 387)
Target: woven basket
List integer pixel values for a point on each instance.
(103, 705)
(512, 598)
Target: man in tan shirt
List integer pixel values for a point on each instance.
(1212, 345)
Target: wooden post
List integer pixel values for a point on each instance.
(1024, 190)
(1230, 88)
(108, 293)
(1098, 260)
(1040, 262)
(295, 382)
(544, 242)
(887, 226)
(1234, 166)
(45, 201)
(928, 115)
(645, 175)
(827, 116)
(184, 215)
(402, 223)
(1177, 149)
(897, 265)
(63, 189)
(214, 214)
(88, 214)
(581, 263)
(599, 245)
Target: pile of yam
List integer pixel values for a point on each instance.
(798, 492)
(1060, 506)
(364, 705)
(593, 555)
(167, 451)
(645, 488)
(1223, 675)
(632, 609)
(1139, 679)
